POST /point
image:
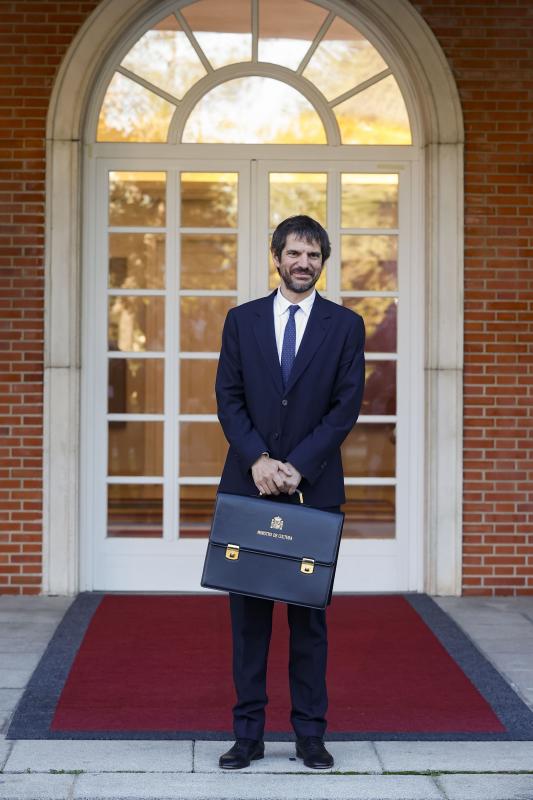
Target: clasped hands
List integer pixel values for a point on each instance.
(273, 477)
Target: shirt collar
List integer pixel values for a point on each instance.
(281, 303)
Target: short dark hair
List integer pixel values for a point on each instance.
(304, 228)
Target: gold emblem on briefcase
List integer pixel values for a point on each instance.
(277, 523)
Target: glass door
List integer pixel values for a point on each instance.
(175, 248)
(170, 257)
(365, 212)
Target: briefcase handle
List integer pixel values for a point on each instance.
(298, 492)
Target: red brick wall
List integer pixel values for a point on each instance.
(34, 37)
(489, 45)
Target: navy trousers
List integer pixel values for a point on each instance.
(251, 620)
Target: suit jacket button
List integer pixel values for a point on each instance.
(276, 435)
(323, 465)
(284, 402)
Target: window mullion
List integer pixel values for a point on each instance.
(316, 41)
(192, 39)
(172, 377)
(360, 87)
(151, 87)
(255, 30)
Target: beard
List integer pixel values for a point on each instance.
(296, 285)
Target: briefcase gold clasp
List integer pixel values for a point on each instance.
(307, 566)
(232, 552)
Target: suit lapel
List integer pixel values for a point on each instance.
(266, 337)
(315, 330)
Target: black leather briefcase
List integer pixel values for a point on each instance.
(275, 550)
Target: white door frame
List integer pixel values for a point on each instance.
(131, 564)
(427, 82)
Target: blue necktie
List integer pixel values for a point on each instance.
(288, 350)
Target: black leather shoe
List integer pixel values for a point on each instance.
(242, 752)
(313, 752)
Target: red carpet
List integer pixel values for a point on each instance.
(163, 663)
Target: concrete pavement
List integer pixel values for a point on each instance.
(160, 770)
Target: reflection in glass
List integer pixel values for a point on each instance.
(376, 115)
(166, 58)
(380, 388)
(369, 201)
(274, 279)
(135, 386)
(131, 113)
(203, 449)
(135, 448)
(197, 386)
(135, 510)
(369, 263)
(197, 504)
(254, 110)
(370, 512)
(209, 199)
(223, 30)
(369, 451)
(136, 261)
(343, 60)
(380, 316)
(297, 193)
(287, 29)
(137, 198)
(209, 261)
(136, 323)
(201, 322)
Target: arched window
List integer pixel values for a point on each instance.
(311, 54)
(214, 123)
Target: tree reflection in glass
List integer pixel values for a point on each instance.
(254, 110)
(369, 200)
(136, 261)
(369, 263)
(380, 316)
(209, 199)
(380, 388)
(343, 59)
(165, 57)
(370, 512)
(376, 115)
(137, 198)
(135, 510)
(132, 113)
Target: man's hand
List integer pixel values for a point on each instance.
(268, 476)
(291, 477)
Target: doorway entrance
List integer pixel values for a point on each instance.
(176, 244)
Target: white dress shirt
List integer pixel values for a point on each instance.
(281, 316)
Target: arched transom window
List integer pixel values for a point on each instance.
(254, 72)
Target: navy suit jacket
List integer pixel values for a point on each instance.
(306, 422)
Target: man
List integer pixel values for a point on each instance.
(289, 387)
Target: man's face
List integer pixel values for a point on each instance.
(300, 264)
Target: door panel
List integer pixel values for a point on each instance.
(184, 244)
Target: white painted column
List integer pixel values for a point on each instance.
(444, 368)
(62, 370)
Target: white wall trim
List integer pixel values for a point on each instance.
(429, 89)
